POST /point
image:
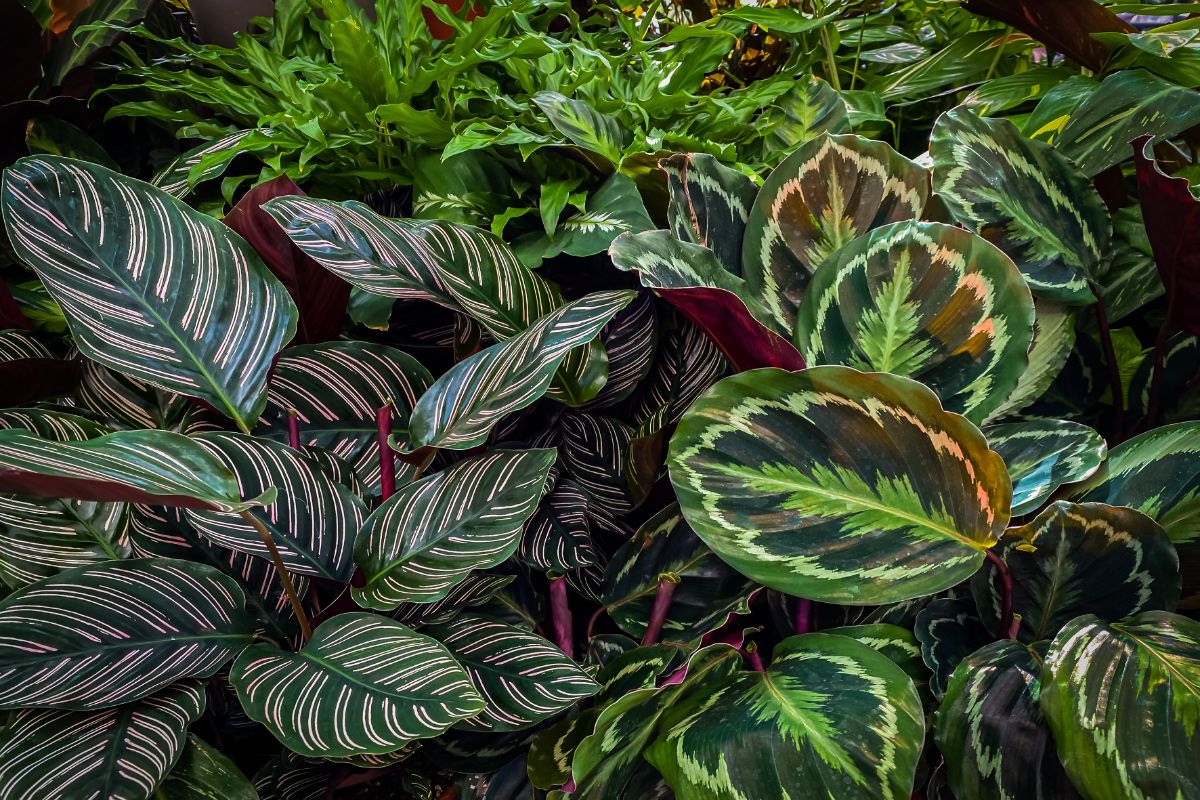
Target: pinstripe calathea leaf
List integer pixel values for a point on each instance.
(991, 731)
(687, 363)
(522, 678)
(830, 191)
(150, 287)
(765, 476)
(107, 634)
(1026, 198)
(1123, 700)
(1078, 559)
(630, 341)
(130, 403)
(463, 405)
(708, 206)
(558, 537)
(474, 590)
(313, 520)
(615, 463)
(363, 685)
(1042, 455)
(925, 300)
(122, 752)
(203, 773)
(949, 629)
(429, 535)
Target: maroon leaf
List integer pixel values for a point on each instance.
(745, 342)
(320, 296)
(11, 315)
(1172, 217)
(25, 380)
(15, 481)
(1065, 26)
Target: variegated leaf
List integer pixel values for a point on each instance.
(474, 590)
(949, 629)
(131, 403)
(313, 520)
(362, 685)
(1026, 198)
(522, 678)
(1123, 701)
(107, 634)
(583, 125)
(900, 645)
(557, 537)
(613, 209)
(429, 535)
(809, 108)
(764, 475)
(925, 300)
(991, 731)
(1073, 559)
(204, 162)
(596, 452)
(461, 407)
(121, 753)
(630, 340)
(150, 287)
(686, 364)
(830, 191)
(290, 777)
(1042, 455)
(1053, 340)
(1179, 395)
(709, 204)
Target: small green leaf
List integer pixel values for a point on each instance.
(583, 125)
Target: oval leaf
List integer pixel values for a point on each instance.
(708, 205)
(1042, 455)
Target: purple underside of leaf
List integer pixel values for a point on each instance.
(11, 315)
(320, 296)
(33, 484)
(739, 336)
(1172, 217)
(25, 380)
(1066, 26)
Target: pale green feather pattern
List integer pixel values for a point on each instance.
(886, 332)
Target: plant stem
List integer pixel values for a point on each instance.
(284, 578)
(803, 614)
(830, 62)
(560, 613)
(999, 52)
(1008, 627)
(593, 619)
(658, 612)
(753, 658)
(293, 423)
(1114, 371)
(387, 456)
(1154, 407)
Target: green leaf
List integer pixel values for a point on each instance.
(949, 630)
(583, 125)
(205, 162)
(1053, 341)
(362, 685)
(900, 645)
(474, 590)
(924, 300)
(429, 535)
(150, 287)
(93, 30)
(1042, 455)
(709, 204)
(54, 136)
(760, 463)
(614, 209)
(523, 678)
(1123, 701)
(107, 634)
(829, 716)
(833, 189)
(558, 537)
(121, 752)
(1091, 558)
(1025, 197)
(204, 773)
(811, 107)
(461, 407)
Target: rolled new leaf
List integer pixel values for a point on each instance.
(838, 485)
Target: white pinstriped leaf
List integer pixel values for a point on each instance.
(686, 364)
(558, 537)
(461, 407)
(475, 590)
(290, 777)
(363, 685)
(596, 452)
(522, 677)
(16, 344)
(431, 533)
(630, 340)
(149, 286)
(117, 753)
(313, 520)
(130, 403)
(178, 179)
(106, 634)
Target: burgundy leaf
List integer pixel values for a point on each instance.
(18, 481)
(744, 341)
(25, 380)
(320, 296)
(1065, 26)
(1172, 217)
(11, 315)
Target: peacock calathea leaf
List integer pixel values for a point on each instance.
(1026, 198)
(429, 535)
(522, 678)
(991, 731)
(1179, 396)
(828, 712)
(474, 590)
(203, 773)
(706, 592)
(362, 685)
(709, 204)
(1076, 559)
(830, 191)
(122, 752)
(764, 478)
(1042, 455)
(1123, 701)
(949, 629)
(106, 634)
(900, 645)
(313, 520)
(1053, 341)
(150, 287)
(557, 537)
(687, 363)
(459, 410)
(925, 300)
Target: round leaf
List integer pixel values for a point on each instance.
(1043, 454)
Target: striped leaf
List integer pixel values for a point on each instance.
(925, 300)
(1178, 395)
(429, 535)
(687, 363)
(362, 685)
(583, 125)
(830, 191)
(1042, 455)
(1026, 198)
(949, 630)
(1053, 340)
(991, 731)
(205, 162)
(899, 644)
(522, 678)
(1073, 559)
(558, 537)
(154, 467)
(830, 716)
(204, 773)
(131, 403)
(1123, 700)
(596, 451)
(121, 753)
(107, 634)
(760, 462)
(461, 407)
(474, 590)
(290, 777)
(313, 521)
(630, 341)
(709, 204)
(150, 287)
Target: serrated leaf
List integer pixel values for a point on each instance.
(709, 204)
(1042, 455)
